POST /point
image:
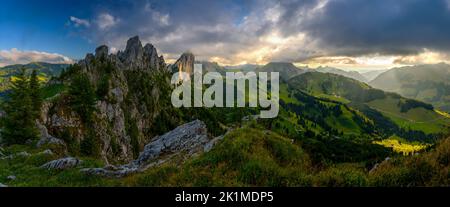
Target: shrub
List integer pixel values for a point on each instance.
(341, 176)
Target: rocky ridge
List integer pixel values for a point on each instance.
(123, 119)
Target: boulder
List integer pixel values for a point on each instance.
(187, 139)
(116, 172)
(11, 177)
(3, 185)
(46, 152)
(47, 138)
(23, 154)
(50, 140)
(12, 156)
(61, 164)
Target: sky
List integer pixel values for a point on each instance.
(347, 34)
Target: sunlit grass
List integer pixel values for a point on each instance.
(402, 146)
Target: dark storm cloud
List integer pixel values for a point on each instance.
(354, 27)
(227, 28)
(173, 26)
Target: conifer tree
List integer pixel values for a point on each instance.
(82, 100)
(82, 97)
(19, 120)
(35, 93)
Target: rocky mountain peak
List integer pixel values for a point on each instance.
(185, 63)
(136, 57)
(133, 52)
(101, 51)
(151, 56)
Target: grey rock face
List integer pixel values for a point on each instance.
(3, 185)
(134, 48)
(11, 177)
(136, 57)
(189, 138)
(111, 122)
(58, 121)
(151, 56)
(63, 163)
(185, 63)
(101, 52)
(47, 138)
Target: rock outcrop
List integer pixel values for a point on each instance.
(188, 138)
(47, 138)
(136, 84)
(184, 64)
(101, 52)
(183, 142)
(46, 152)
(12, 156)
(23, 154)
(61, 164)
(136, 57)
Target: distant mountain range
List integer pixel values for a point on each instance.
(244, 67)
(286, 70)
(42, 67)
(370, 75)
(429, 83)
(45, 70)
(350, 74)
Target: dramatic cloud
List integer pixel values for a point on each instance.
(354, 27)
(15, 56)
(339, 32)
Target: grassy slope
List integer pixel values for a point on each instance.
(402, 146)
(428, 83)
(339, 88)
(45, 70)
(343, 122)
(245, 157)
(418, 118)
